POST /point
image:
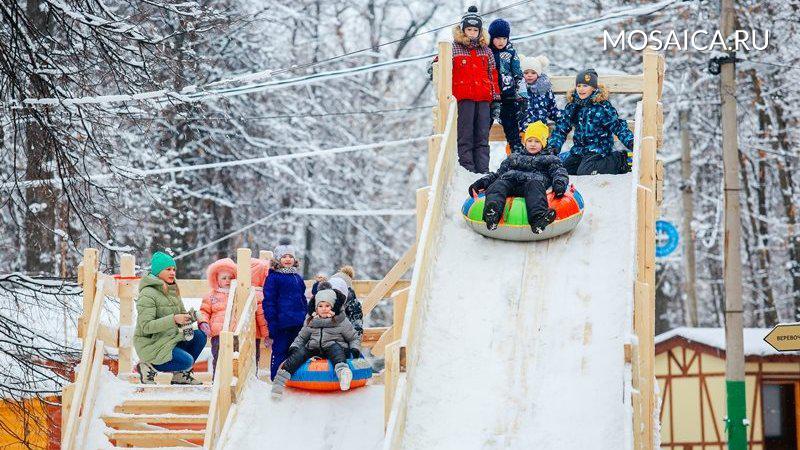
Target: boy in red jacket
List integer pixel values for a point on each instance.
(475, 87)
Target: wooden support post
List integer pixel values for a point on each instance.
(422, 206)
(444, 83)
(434, 144)
(126, 293)
(392, 371)
(266, 255)
(89, 279)
(399, 312)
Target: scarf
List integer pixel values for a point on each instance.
(286, 269)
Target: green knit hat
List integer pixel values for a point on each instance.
(159, 262)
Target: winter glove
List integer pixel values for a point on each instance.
(494, 110)
(481, 185)
(355, 353)
(559, 189)
(205, 328)
(522, 89)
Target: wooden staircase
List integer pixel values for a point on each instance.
(160, 416)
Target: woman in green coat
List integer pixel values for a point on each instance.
(158, 339)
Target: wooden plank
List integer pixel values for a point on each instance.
(434, 144)
(193, 288)
(391, 371)
(379, 347)
(650, 93)
(67, 392)
(89, 279)
(155, 436)
(371, 336)
(659, 181)
(399, 304)
(618, 84)
(91, 395)
(496, 133)
(422, 205)
(444, 81)
(82, 380)
(389, 281)
(109, 335)
(163, 406)
(126, 293)
(117, 420)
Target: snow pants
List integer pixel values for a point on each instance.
(509, 119)
(473, 135)
(534, 192)
(281, 340)
(614, 163)
(334, 353)
(184, 354)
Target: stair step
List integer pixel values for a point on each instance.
(154, 438)
(124, 419)
(149, 448)
(164, 406)
(164, 378)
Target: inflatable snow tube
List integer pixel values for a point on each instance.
(318, 375)
(514, 223)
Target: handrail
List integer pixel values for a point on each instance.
(226, 323)
(84, 371)
(248, 310)
(397, 353)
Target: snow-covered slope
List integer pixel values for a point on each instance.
(304, 420)
(521, 345)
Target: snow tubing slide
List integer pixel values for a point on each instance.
(318, 375)
(514, 223)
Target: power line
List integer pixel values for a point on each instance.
(139, 173)
(303, 212)
(193, 95)
(283, 116)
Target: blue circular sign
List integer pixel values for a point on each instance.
(666, 238)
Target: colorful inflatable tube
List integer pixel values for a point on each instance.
(318, 375)
(514, 223)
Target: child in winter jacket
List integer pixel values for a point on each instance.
(474, 86)
(325, 334)
(541, 101)
(525, 175)
(510, 81)
(220, 274)
(342, 283)
(596, 122)
(284, 303)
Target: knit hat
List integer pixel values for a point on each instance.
(284, 248)
(338, 284)
(160, 261)
(348, 281)
(471, 18)
(588, 76)
(325, 295)
(536, 63)
(499, 28)
(539, 131)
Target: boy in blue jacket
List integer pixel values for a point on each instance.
(595, 121)
(284, 303)
(513, 91)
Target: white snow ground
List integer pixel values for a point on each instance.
(521, 345)
(305, 420)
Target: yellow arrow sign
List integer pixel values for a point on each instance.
(785, 337)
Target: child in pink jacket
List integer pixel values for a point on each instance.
(220, 274)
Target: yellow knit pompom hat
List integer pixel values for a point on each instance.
(539, 131)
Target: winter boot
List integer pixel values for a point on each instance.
(491, 216)
(147, 373)
(279, 383)
(185, 377)
(345, 375)
(539, 225)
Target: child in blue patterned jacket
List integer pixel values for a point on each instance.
(513, 94)
(541, 101)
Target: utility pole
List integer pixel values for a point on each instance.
(687, 190)
(734, 361)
